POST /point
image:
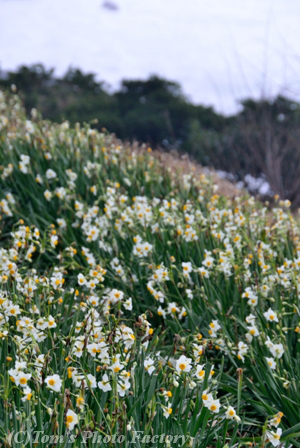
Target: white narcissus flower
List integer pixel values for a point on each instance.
(271, 363)
(276, 420)
(51, 322)
(116, 367)
(71, 419)
(208, 262)
(38, 179)
(54, 240)
(91, 381)
(161, 312)
(200, 372)
(203, 272)
(48, 195)
(25, 160)
(61, 193)
(104, 384)
(214, 327)
(274, 437)
(214, 406)
(93, 300)
(269, 343)
(167, 410)
(92, 283)
(252, 301)
(93, 349)
(81, 279)
(146, 248)
(149, 365)
(243, 348)
(128, 304)
(231, 414)
(189, 293)
(78, 349)
(53, 382)
(27, 394)
(250, 319)
(271, 316)
(122, 387)
(62, 223)
(30, 129)
(12, 310)
(277, 350)
(116, 296)
(173, 308)
(50, 174)
(253, 330)
(183, 364)
(187, 267)
(207, 398)
(22, 379)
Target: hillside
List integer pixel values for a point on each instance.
(139, 303)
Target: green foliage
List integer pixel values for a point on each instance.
(202, 287)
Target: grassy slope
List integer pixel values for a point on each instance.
(184, 254)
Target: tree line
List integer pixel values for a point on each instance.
(262, 139)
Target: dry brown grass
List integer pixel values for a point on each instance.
(183, 165)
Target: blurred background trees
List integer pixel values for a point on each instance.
(262, 140)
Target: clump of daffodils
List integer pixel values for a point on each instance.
(129, 291)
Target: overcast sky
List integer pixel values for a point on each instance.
(219, 50)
